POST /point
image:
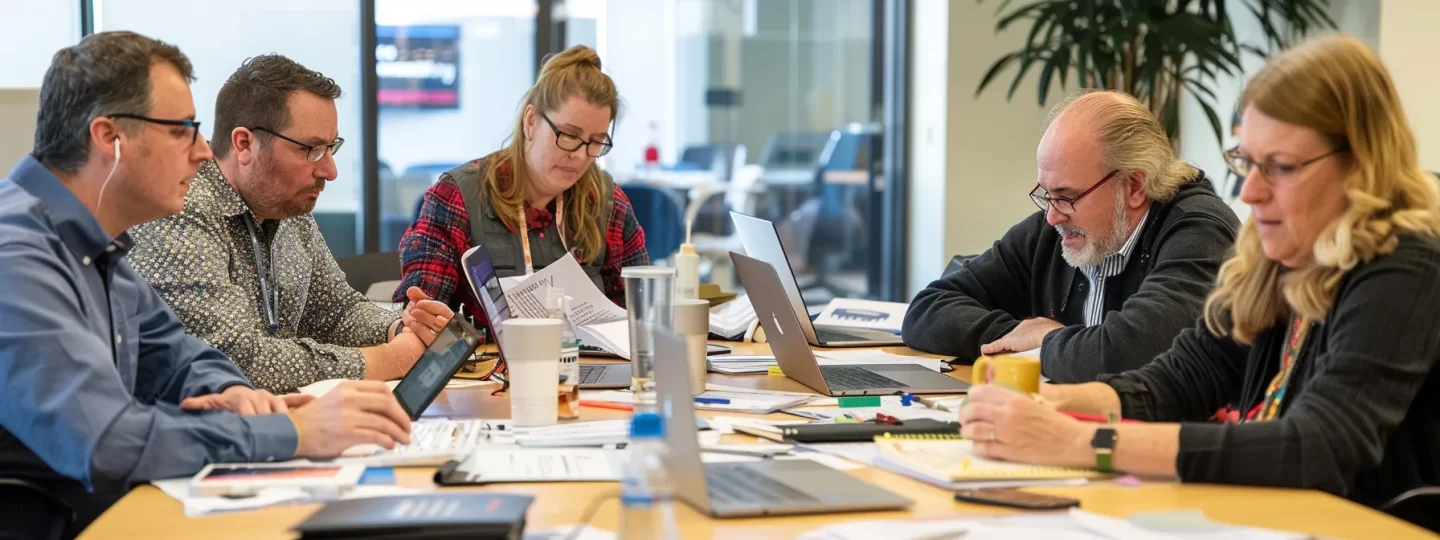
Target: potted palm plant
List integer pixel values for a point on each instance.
(1152, 49)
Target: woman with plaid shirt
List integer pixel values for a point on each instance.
(538, 199)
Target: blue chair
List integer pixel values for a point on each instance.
(659, 215)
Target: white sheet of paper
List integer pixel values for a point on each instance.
(543, 464)
(588, 305)
(179, 489)
(321, 388)
(871, 356)
(613, 336)
(855, 313)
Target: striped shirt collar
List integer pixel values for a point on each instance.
(1114, 263)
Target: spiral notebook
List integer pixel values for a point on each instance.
(948, 459)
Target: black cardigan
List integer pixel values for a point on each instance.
(1158, 294)
(1361, 416)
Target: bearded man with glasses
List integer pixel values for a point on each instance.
(244, 265)
(1116, 263)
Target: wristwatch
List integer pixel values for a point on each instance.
(1104, 444)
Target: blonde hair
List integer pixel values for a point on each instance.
(1131, 140)
(1336, 86)
(573, 72)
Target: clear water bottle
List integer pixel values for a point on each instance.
(646, 492)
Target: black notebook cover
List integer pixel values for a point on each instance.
(862, 431)
(441, 515)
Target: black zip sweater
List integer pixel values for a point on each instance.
(1159, 293)
(1361, 415)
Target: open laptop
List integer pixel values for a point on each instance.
(793, 354)
(485, 283)
(752, 488)
(762, 242)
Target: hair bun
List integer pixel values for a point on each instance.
(575, 56)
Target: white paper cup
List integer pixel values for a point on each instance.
(692, 322)
(532, 350)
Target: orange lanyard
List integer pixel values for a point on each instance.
(525, 231)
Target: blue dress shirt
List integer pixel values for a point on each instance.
(93, 364)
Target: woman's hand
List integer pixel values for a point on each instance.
(1011, 426)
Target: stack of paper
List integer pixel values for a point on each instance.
(596, 433)
(753, 365)
(179, 489)
(947, 462)
(733, 319)
(730, 364)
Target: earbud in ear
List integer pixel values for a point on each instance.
(117, 148)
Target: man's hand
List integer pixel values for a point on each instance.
(245, 402)
(425, 317)
(1029, 335)
(355, 412)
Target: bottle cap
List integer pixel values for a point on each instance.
(646, 425)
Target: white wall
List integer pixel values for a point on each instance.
(323, 35)
(1360, 18)
(972, 158)
(30, 33)
(1408, 45)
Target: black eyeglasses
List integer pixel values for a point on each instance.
(1272, 172)
(571, 143)
(1065, 205)
(313, 152)
(192, 125)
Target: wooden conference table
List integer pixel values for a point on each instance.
(148, 513)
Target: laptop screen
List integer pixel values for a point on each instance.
(485, 283)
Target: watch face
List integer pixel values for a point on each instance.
(1104, 438)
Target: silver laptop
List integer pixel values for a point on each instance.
(795, 358)
(485, 283)
(752, 488)
(762, 242)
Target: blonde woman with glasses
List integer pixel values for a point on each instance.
(1318, 343)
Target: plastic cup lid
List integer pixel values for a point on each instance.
(645, 272)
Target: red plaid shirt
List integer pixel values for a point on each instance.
(431, 248)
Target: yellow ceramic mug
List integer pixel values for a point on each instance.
(1019, 372)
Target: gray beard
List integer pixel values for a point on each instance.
(1096, 250)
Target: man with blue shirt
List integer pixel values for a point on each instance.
(103, 389)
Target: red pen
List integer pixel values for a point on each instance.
(607, 405)
(1095, 418)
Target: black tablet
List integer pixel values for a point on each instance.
(441, 360)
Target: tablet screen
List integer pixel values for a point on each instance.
(441, 360)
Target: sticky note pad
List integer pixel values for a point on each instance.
(775, 371)
(860, 401)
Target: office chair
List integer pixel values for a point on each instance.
(1420, 506)
(362, 271)
(659, 214)
(29, 511)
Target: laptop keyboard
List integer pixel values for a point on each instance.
(743, 485)
(856, 378)
(825, 336)
(591, 374)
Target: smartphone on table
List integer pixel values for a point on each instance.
(1014, 498)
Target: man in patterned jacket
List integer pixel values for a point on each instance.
(244, 265)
